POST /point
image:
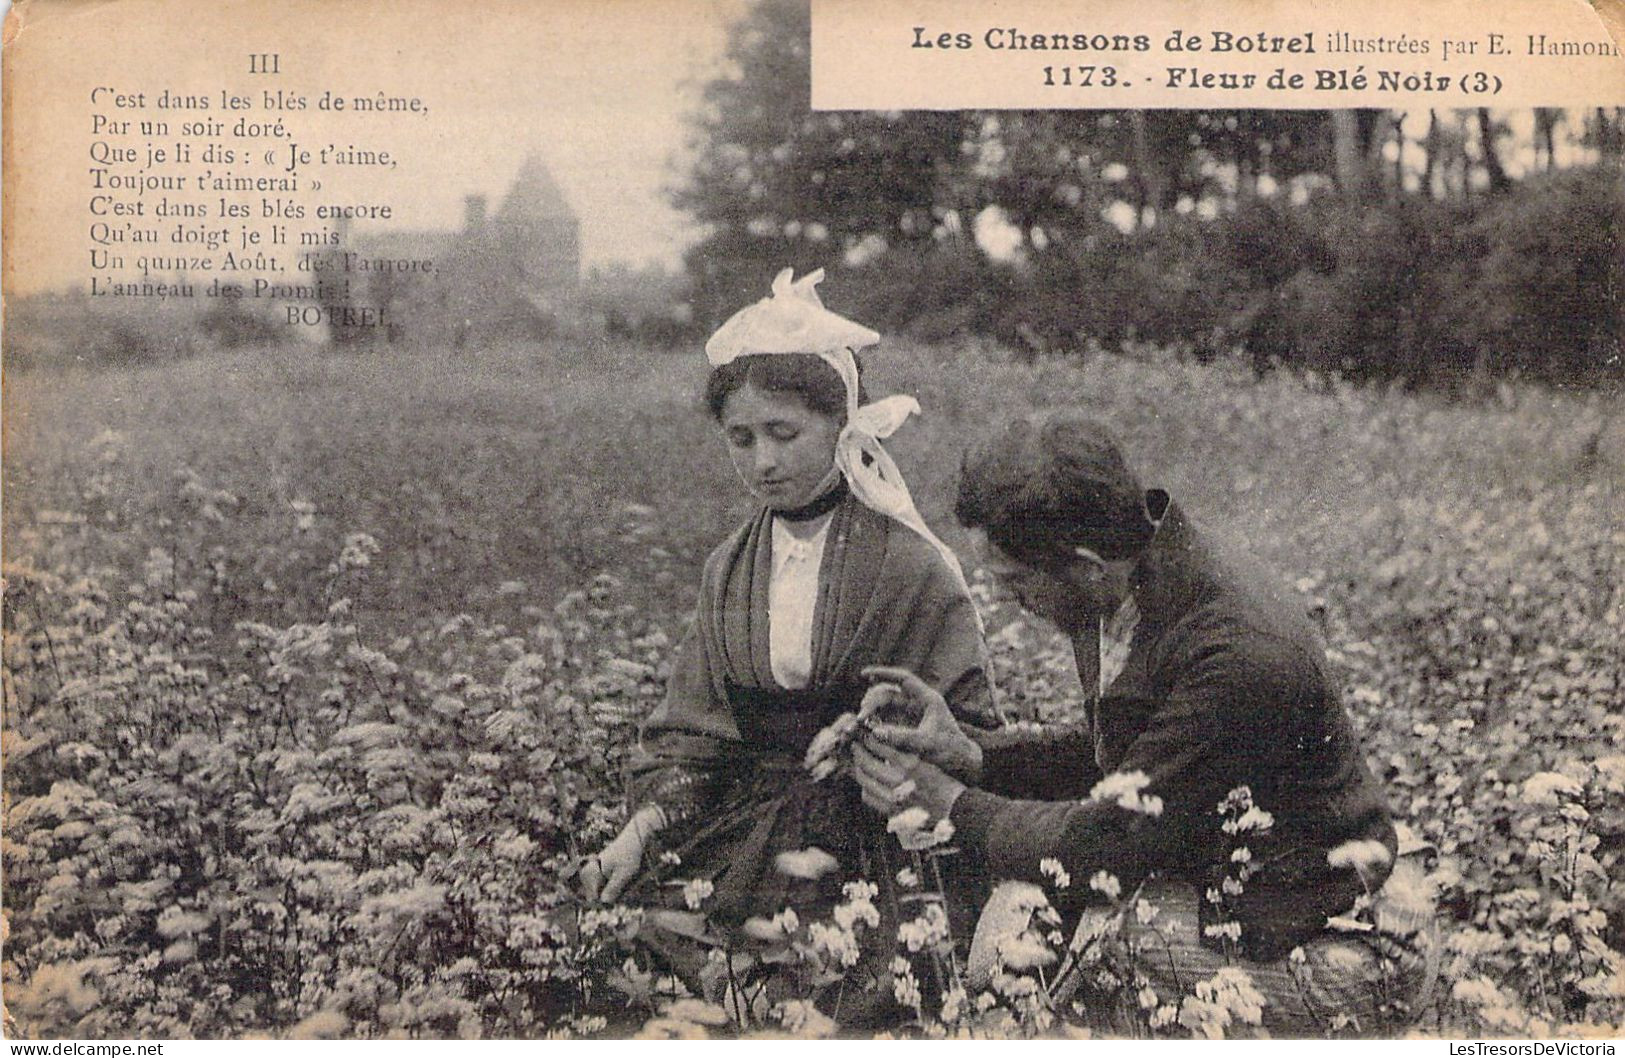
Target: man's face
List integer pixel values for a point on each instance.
(1074, 595)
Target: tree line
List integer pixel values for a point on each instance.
(1423, 247)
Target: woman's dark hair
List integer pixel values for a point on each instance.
(805, 375)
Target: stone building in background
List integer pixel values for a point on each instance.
(511, 274)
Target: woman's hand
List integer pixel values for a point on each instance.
(606, 875)
(937, 738)
(893, 781)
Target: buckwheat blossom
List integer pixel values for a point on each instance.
(771, 930)
(1221, 1000)
(1105, 882)
(859, 907)
(925, 931)
(1051, 868)
(1144, 911)
(696, 1011)
(1543, 788)
(824, 755)
(860, 890)
(904, 985)
(913, 818)
(910, 827)
(800, 1017)
(357, 551)
(908, 878)
(809, 864)
(1611, 770)
(1254, 818)
(1123, 789)
(1025, 952)
(696, 892)
(836, 941)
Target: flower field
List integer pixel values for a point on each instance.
(319, 672)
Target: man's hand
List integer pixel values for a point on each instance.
(938, 738)
(892, 780)
(606, 875)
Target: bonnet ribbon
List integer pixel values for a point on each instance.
(794, 320)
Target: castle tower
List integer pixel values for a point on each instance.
(539, 231)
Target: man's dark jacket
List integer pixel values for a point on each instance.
(1225, 686)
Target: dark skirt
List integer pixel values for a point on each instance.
(771, 805)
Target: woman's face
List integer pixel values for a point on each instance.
(782, 449)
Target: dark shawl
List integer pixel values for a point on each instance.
(885, 598)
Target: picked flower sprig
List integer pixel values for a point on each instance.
(831, 749)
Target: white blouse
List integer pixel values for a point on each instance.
(792, 595)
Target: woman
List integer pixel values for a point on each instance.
(836, 573)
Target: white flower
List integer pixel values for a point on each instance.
(860, 890)
(1611, 770)
(771, 930)
(836, 941)
(926, 930)
(859, 909)
(822, 756)
(1144, 911)
(1543, 788)
(1107, 883)
(1025, 952)
(908, 878)
(909, 826)
(810, 863)
(1052, 869)
(696, 1011)
(1119, 784)
(802, 1018)
(1480, 991)
(1361, 856)
(913, 818)
(696, 892)
(904, 986)
(1254, 818)
(1124, 790)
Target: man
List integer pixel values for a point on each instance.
(1207, 684)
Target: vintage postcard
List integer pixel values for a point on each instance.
(750, 518)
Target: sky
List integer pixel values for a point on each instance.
(600, 88)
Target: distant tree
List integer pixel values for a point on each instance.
(778, 184)
(1489, 133)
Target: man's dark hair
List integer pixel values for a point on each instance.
(805, 375)
(1041, 488)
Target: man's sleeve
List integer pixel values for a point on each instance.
(1051, 763)
(1192, 749)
